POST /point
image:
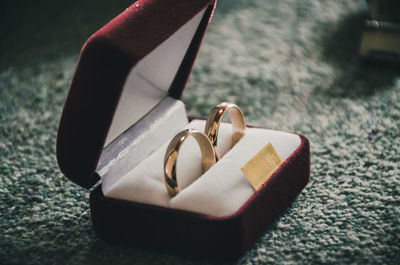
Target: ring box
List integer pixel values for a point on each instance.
(123, 104)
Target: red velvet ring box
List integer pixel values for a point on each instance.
(122, 109)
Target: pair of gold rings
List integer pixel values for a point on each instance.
(207, 142)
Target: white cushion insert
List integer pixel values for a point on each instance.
(220, 191)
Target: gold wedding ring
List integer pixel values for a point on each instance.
(171, 157)
(214, 120)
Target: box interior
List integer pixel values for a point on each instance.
(149, 80)
(146, 118)
(135, 172)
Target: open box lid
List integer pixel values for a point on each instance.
(153, 42)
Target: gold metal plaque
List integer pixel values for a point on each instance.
(261, 166)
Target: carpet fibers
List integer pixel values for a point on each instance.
(290, 64)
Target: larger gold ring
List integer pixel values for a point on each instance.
(214, 120)
(171, 157)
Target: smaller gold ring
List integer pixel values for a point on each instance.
(214, 120)
(171, 157)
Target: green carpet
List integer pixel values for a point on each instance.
(291, 65)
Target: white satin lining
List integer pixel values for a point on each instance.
(149, 81)
(220, 191)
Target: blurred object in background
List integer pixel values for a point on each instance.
(381, 36)
(384, 10)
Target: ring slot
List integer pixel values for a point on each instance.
(171, 157)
